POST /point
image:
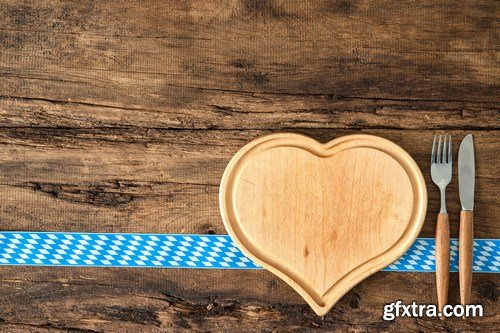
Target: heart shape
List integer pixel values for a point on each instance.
(323, 217)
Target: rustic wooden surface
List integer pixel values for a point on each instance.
(121, 116)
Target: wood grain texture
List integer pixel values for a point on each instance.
(311, 213)
(122, 115)
(442, 248)
(466, 246)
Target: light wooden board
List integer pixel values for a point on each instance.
(323, 217)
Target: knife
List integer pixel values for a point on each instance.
(466, 173)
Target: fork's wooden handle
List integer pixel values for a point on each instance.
(465, 241)
(442, 259)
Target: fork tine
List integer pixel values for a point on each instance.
(445, 148)
(433, 158)
(449, 150)
(438, 156)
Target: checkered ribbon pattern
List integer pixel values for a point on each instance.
(190, 251)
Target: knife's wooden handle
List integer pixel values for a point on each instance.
(465, 241)
(442, 259)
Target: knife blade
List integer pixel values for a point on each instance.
(466, 173)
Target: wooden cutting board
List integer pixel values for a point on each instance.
(323, 217)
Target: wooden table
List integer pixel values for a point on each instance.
(120, 116)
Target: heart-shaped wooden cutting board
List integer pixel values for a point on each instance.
(323, 217)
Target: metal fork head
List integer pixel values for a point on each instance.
(441, 165)
(444, 151)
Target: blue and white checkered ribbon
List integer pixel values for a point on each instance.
(190, 251)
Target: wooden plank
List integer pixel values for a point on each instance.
(440, 52)
(151, 300)
(125, 180)
(236, 110)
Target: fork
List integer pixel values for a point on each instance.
(441, 166)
